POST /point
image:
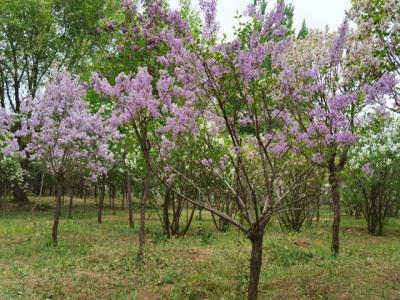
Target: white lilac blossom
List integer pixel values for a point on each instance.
(377, 150)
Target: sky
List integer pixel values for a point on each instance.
(317, 13)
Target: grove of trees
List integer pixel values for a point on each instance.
(142, 101)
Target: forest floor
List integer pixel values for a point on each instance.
(98, 261)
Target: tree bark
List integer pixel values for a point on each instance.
(57, 210)
(113, 201)
(334, 183)
(129, 200)
(84, 202)
(256, 239)
(71, 198)
(95, 194)
(41, 186)
(123, 198)
(19, 194)
(63, 195)
(101, 201)
(189, 222)
(143, 203)
(166, 213)
(110, 197)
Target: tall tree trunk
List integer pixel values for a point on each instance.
(113, 200)
(95, 193)
(334, 183)
(110, 197)
(129, 199)
(143, 203)
(166, 213)
(84, 202)
(2, 90)
(256, 239)
(101, 200)
(123, 198)
(41, 186)
(71, 198)
(57, 209)
(63, 195)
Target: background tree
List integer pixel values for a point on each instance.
(64, 135)
(378, 22)
(374, 173)
(34, 35)
(304, 200)
(327, 88)
(303, 32)
(10, 169)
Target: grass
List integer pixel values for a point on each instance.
(97, 261)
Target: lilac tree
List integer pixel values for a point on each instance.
(64, 135)
(224, 94)
(134, 94)
(10, 167)
(373, 173)
(378, 23)
(5, 121)
(326, 87)
(134, 105)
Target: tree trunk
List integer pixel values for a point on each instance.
(19, 194)
(84, 202)
(189, 222)
(334, 183)
(129, 200)
(143, 203)
(57, 209)
(166, 213)
(256, 239)
(95, 194)
(63, 196)
(113, 201)
(101, 201)
(123, 198)
(110, 198)
(71, 198)
(41, 186)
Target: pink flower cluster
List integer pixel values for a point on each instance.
(6, 120)
(209, 9)
(63, 133)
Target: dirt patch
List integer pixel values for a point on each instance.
(16, 207)
(98, 258)
(147, 294)
(198, 255)
(301, 242)
(166, 290)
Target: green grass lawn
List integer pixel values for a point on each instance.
(97, 261)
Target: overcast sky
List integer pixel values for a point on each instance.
(317, 13)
